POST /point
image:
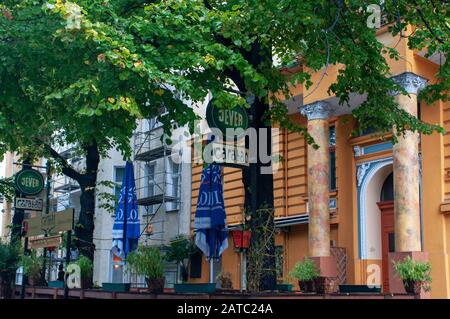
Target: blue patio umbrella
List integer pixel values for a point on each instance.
(210, 218)
(126, 231)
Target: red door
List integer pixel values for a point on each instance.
(387, 239)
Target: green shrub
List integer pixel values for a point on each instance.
(146, 261)
(85, 265)
(305, 271)
(414, 271)
(179, 250)
(32, 265)
(9, 260)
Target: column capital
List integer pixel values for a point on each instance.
(411, 82)
(319, 110)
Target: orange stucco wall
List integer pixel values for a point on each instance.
(290, 183)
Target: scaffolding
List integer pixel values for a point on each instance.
(65, 188)
(158, 184)
(158, 189)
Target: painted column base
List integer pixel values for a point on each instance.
(395, 283)
(327, 282)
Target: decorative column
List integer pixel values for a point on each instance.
(318, 178)
(406, 185)
(318, 194)
(406, 171)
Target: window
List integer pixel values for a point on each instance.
(149, 180)
(332, 158)
(173, 183)
(116, 269)
(149, 186)
(119, 172)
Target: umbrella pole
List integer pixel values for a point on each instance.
(211, 271)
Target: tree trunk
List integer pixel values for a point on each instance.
(84, 229)
(261, 271)
(261, 258)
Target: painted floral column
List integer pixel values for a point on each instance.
(406, 171)
(318, 179)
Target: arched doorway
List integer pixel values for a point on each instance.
(386, 205)
(372, 182)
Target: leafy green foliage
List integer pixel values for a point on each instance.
(146, 261)
(305, 270)
(9, 260)
(85, 265)
(123, 60)
(179, 250)
(7, 189)
(415, 271)
(32, 264)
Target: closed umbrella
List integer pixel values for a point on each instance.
(210, 218)
(126, 229)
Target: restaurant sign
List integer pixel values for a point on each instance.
(223, 119)
(44, 242)
(29, 182)
(29, 203)
(49, 224)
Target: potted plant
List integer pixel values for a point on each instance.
(241, 238)
(147, 261)
(59, 283)
(32, 267)
(284, 286)
(414, 274)
(9, 262)
(305, 272)
(225, 280)
(86, 268)
(179, 250)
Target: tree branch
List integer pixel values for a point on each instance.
(67, 169)
(427, 25)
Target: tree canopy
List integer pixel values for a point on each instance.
(74, 71)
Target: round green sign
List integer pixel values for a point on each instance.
(29, 182)
(222, 119)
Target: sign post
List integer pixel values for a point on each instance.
(27, 182)
(233, 154)
(69, 242)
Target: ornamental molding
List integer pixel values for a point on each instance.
(362, 170)
(411, 82)
(319, 110)
(358, 151)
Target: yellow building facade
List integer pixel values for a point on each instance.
(381, 201)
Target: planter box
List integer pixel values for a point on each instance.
(241, 238)
(195, 288)
(359, 288)
(115, 287)
(56, 284)
(284, 287)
